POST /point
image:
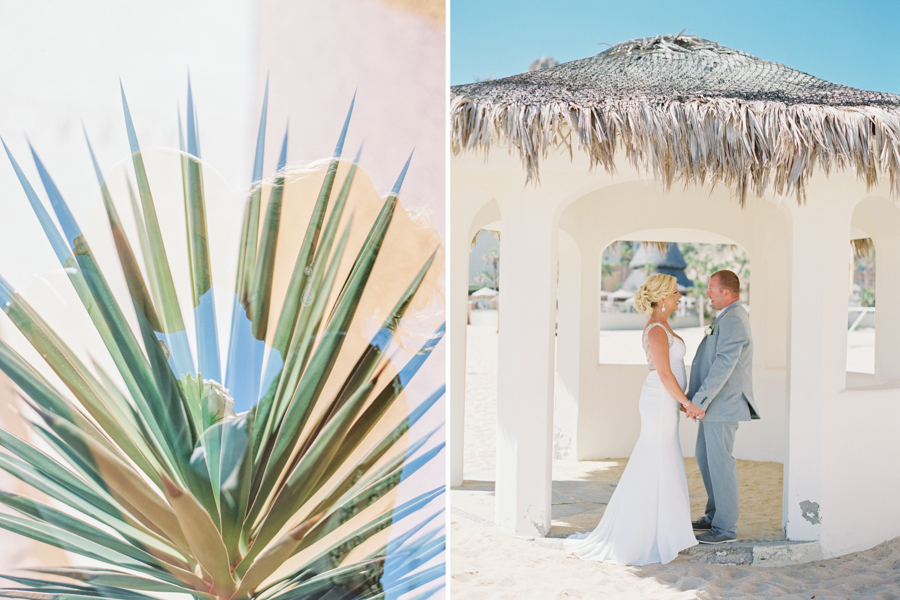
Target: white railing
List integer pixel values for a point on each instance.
(863, 311)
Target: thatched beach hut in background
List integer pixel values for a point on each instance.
(679, 139)
(649, 259)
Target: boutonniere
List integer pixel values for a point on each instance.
(708, 330)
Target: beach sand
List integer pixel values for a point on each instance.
(487, 564)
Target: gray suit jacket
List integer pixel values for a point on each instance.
(721, 374)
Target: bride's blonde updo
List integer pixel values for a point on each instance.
(655, 288)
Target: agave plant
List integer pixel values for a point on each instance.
(148, 468)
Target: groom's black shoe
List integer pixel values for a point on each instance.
(712, 537)
(701, 524)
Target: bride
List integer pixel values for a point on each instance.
(648, 518)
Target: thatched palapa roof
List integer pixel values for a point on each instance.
(690, 110)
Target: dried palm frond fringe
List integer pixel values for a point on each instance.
(747, 145)
(862, 247)
(493, 232)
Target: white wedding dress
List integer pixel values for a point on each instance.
(648, 519)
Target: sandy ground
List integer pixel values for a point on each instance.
(487, 564)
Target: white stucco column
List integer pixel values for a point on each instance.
(568, 341)
(525, 375)
(777, 282)
(887, 291)
(589, 338)
(759, 307)
(457, 318)
(817, 349)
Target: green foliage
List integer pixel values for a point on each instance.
(867, 297)
(649, 268)
(705, 259)
(490, 275)
(163, 483)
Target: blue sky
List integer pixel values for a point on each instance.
(855, 43)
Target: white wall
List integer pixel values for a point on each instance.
(861, 460)
(609, 421)
(62, 65)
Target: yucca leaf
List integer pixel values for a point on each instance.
(244, 355)
(395, 544)
(202, 537)
(265, 259)
(303, 480)
(235, 477)
(41, 472)
(347, 577)
(355, 479)
(61, 587)
(109, 578)
(227, 449)
(61, 248)
(378, 407)
(310, 309)
(124, 484)
(368, 362)
(365, 498)
(413, 582)
(143, 237)
(413, 554)
(373, 239)
(248, 250)
(303, 264)
(62, 539)
(173, 331)
(334, 555)
(100, 314)
(323, 359)
(136, 363)
(390, 438)
(274, 409)
(47, 514)
(86, 388)
(198, 248)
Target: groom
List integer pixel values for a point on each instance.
(721, 384)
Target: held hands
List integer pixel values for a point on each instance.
(692, 411)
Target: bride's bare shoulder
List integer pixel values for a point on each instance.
(656, 330)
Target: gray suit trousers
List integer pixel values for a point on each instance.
(718, 468)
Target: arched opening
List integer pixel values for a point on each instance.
(871, 350)
(715, 235)
(626, 263)
(861, 321)
(482, 337)
(473, 367)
